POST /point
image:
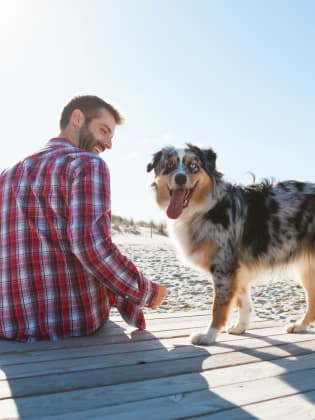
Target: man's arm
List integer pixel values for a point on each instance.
(90, 236)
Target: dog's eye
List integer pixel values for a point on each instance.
(193, 167)
(170, 165)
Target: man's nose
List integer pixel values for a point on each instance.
(108, 142)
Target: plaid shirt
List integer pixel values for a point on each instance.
(60, 272)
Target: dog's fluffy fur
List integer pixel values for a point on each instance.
(235, 231)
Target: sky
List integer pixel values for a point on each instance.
(237, 76)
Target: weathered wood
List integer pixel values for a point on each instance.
(300, 406)
(141, 346)
(123, 334)
(202, 402)
(86, 362)
(82, 375)
(122, 373)
(123, 393)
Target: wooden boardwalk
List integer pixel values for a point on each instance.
(157, 374)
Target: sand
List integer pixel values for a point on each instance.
(279, 298)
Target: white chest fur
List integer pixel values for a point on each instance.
(198, 253)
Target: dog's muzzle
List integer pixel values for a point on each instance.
(180, 179)
(179, 199)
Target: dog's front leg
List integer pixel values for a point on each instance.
(224, 293)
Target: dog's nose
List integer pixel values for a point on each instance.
(180, 179)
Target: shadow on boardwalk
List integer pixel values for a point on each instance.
(117, 375)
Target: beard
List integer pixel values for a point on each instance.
(86, 139)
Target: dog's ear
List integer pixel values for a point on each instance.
(207, 157)
(211, 158)
(210, 167)
(155, 161)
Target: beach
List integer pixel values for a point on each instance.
(278, 298)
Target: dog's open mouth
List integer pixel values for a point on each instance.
(179, 200)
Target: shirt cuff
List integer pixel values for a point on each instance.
(150, 291)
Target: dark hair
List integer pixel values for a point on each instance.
(90, 106)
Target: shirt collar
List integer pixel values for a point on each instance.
(60, 141)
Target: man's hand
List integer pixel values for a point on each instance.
(159, 298)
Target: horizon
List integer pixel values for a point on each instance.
(234, 76)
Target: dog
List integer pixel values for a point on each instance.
(234, 232)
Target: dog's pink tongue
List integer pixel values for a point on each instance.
(176, 204)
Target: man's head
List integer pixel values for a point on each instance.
(89, 123)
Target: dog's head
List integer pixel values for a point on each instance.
(184, 178)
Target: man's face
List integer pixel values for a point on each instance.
(96, 136)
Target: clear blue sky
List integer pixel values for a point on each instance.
(238, 76)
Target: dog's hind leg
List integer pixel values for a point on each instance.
(307, 273)
(243, 281)
(244, 304)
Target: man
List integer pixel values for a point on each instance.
(60, 272)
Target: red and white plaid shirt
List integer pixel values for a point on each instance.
(59, 270)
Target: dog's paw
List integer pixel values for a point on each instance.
(297, 328)
(201, 339)
(204, 339)
(237, 329)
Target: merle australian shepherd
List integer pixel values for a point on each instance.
(234, 231)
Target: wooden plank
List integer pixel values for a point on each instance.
(173, 316)
(115, 316)
(194, 403)
(200, 323)
(93, 374)
(189, 404)
(86, 362)
(125, 336)
(112, 330)
(150, 389)
(122, 366)
(292, 407)
(157, 324)
(127, 370)
(131, 347)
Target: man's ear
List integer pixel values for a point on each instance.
(77, 118)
